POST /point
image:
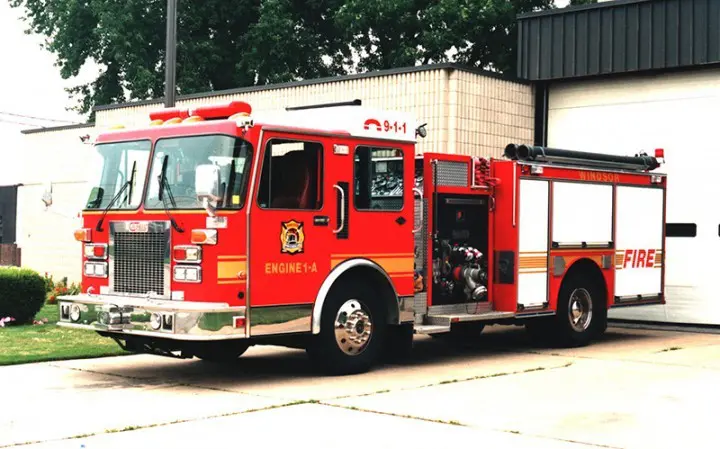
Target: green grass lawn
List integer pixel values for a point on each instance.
(39, 343)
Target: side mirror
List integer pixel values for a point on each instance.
(421, 131)
(96, 197)
(207, 186)
(47, 195)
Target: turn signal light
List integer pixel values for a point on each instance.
(97, 251)
(83, 235)
(187, 254)
(204, 236)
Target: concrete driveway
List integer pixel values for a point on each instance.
(633, 389)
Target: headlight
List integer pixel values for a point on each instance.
(155, 320)
(187, 274)
(96, 269)
(75, 312)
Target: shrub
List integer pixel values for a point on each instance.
(22, 294)
(62, 289)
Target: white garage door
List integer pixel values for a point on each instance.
(679, 113)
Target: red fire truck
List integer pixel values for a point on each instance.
(216, 228)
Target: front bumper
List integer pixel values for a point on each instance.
(175, 320)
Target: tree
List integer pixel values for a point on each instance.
(227, 44)
(221, 44)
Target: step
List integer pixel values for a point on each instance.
(446, 320)
(431, 329)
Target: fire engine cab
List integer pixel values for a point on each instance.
(216, 228)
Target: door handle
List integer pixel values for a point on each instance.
(422, 209)
(342, 209)
(321, 220)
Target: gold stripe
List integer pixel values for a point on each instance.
(185, 212)
(390, 264)
(238, 257)
(228, 282)
(378, 255)
(229, 270)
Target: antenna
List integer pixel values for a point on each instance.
(325, 105)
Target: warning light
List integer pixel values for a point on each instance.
(660, 153)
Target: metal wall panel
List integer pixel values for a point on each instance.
(618, 37)
(676, 112)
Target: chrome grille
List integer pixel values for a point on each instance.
(140, 258)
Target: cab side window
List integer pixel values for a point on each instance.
(378, 179)
(291, 175)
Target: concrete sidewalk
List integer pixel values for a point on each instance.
(634, 389)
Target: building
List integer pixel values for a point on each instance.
(634, 75)
(620, 77)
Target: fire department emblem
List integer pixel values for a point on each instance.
(292, 237)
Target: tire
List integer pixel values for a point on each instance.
(581, 311)
(221, 352)
(353, 331)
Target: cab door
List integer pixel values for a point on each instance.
(291, 231)
(380, 208)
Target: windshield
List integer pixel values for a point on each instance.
(185, 154)
(117, 161)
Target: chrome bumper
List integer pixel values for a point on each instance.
(176, 320)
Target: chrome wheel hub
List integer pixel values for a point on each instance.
(353, 327)
(580, 309)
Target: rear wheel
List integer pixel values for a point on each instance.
(581, 312)
(353, 328)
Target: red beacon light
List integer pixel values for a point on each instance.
(660, 153)
(169, 114)
(222, 111)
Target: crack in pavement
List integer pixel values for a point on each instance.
(467, 426)
(452, 381)
(168, 423)
(162, 384)
(624, 360)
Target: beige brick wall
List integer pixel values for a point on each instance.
(422, 93)
(491, 113)
(465, 112)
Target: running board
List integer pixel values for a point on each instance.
(431, 329)
(446, 320)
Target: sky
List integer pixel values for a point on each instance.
(31, 85)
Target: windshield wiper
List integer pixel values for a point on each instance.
(129, 183)
(164, 185)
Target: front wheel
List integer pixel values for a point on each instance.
(353, 328)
